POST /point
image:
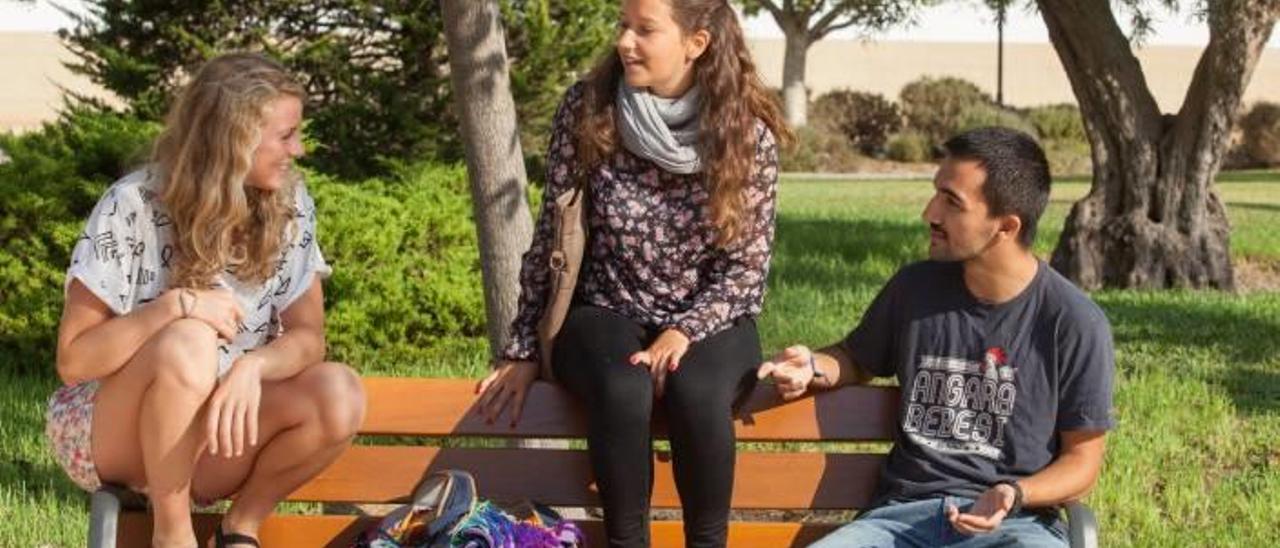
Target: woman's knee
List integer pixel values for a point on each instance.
(339, 399)
(184, 356)
(693, 394)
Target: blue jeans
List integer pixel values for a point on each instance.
(924, 523)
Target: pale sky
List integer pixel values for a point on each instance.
(953, 21)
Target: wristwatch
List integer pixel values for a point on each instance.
(1017, 496)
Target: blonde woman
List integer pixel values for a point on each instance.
(192, 343)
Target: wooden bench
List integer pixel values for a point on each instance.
(777, 479)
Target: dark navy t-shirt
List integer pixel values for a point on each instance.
(985, 388)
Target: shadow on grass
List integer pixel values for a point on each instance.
(41, 481)
(1243, 331)
(1254, 389)
(839, 255)
(1265, 208)
(1249, 176)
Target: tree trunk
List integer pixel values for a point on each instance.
(495, 163)
(1152, 219)
(795, 95)
(1000, 18)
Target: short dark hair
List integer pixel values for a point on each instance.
(1017, 173)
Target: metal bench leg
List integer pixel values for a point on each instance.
(103, 518)
(1082, 525)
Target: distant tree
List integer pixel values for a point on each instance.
(1000, 10)
(804, 22)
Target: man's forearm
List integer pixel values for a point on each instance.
(1069, 477)
(837, 369)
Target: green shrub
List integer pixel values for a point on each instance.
(406, 288)
(819, 149)
(1058, 122)
(865, 119)
(50, 183)
(1261, 127)
(910, 146)
(983, 115)
(934, 107)
(1068, 157)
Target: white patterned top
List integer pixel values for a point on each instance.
(125, 252)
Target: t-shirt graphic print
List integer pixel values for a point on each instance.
(961, 406)
(125, 255)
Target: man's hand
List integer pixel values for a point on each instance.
(987, 513)
(662, 356)
(790, 371)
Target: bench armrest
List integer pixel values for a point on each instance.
(104, 513)
(104, 516)
(1082, 526)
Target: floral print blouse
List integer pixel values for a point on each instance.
(651, 254)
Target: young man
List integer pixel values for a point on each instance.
(1005, 367)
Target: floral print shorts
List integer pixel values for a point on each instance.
(68, 422)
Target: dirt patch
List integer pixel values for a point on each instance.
(1256, 275)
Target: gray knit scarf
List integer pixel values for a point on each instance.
(662, 130)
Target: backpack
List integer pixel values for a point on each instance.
(440, 500)
(445, 512)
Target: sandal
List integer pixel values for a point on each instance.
(223, 540)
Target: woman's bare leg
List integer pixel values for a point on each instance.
(305, 422)
(147, 430)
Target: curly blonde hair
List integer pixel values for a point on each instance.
(204, 156)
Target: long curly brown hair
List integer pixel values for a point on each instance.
(733, 98)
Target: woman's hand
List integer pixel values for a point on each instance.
(662, 356)
(232, 422)
(507, 384)
(216, 307)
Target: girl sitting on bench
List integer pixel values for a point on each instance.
(676, 140)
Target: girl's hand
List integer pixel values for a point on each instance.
(232, 422)
(508, 383)
(216, 307)
(662, 356)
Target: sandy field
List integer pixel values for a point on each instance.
(31, 73)
(1033, 74)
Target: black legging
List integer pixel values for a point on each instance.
(590, 359)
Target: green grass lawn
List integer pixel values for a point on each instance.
(1195, 459)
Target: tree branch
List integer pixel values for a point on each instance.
(772, 8)
(823, 26)
(814, 37)
(1237, 34)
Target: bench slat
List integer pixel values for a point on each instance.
(563, 477)
(443, 407)
(340, 531)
